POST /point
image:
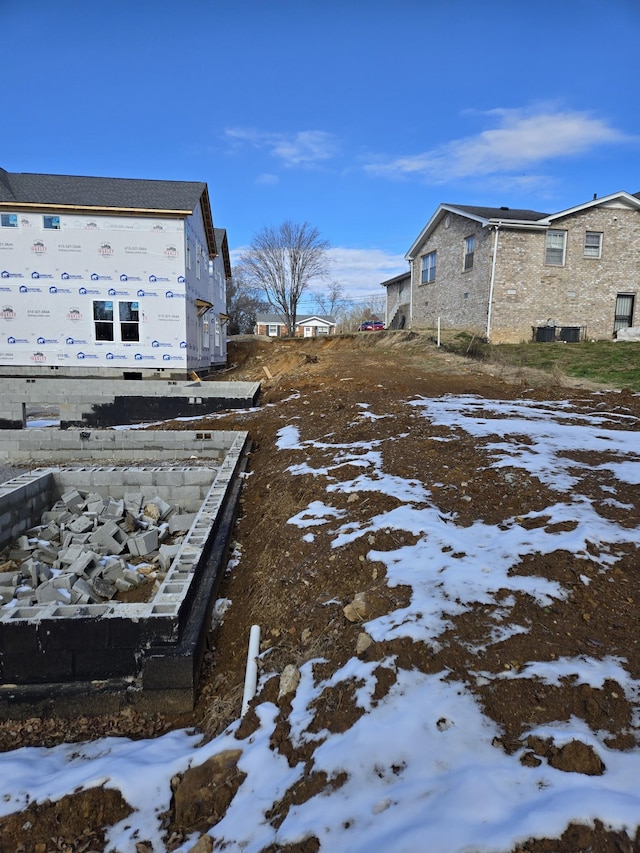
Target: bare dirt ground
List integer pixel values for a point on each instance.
(283, 582)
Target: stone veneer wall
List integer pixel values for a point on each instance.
(527, 292)
(457, 297)
(581, 293)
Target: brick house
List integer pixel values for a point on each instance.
(307, 326)
(110, 277)
(398, 304)
(517, 275)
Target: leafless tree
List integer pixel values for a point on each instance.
(283, 261)
(332, 300)
(244, 301)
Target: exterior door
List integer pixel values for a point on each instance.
(624, 311)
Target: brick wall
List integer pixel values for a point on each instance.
(582, 292)
(459, 298)
(527, 291)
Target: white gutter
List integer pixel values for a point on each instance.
(492, 280)
(411, 294)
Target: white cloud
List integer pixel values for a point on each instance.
(522, 139)
(304, 148)
(267, 180)
(359, 271)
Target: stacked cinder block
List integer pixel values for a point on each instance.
(88, 548)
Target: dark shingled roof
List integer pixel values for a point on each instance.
(77, 191)
(223, 248)
(501, 213)
(396, 279)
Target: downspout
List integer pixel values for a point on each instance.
(492, 280)
(411, 294)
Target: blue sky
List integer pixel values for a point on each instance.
(357, 116)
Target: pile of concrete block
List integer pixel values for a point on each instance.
(88, 549)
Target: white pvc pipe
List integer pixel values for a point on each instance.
(251, 672)
(438, 331)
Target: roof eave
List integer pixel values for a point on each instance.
(435, 219)
(633, 201)
(95, 209)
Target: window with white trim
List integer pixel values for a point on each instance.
(129, 321)
(188, 256)
(469, 249)
(198, 250)
(593, 244)
(104, 321)
(555, 248)
(272, 330)
(428, 268)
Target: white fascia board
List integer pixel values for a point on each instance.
(313, 320)
(622, 196)
(435, 219)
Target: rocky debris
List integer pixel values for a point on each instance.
(202, 795)
(574, 757)
(88, 549)
(357, 610)
(289, 680)
(363, 642)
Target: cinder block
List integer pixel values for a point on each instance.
(73, 500)
(181, 523)
(143, 543)
(82, 524)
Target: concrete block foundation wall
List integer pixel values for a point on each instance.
(40, 446)
(104, 402)
(99, 657)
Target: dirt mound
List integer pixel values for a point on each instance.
(284, 583)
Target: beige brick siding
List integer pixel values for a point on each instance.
(527, 292)
(457, 297)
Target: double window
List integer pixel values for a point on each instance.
(469, 249)
(428, 267)
(593, 244)
(106, 322)
(555, 248)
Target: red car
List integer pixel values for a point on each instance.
(371, 326)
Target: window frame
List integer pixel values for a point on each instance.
(105, 323)
(586, 248)
(9, 220)
(50, 222)
(128, 323)
(555, 232)
(116, 313)
(469, 251)
(429, 266)
(273, 330)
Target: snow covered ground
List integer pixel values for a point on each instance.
(423, 770)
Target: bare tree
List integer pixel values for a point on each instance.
(282, 262)
(332, 300)
(244, 301)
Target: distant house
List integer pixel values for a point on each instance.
(398, 310)
(513, 275)
(110, 277)
(307, 325)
